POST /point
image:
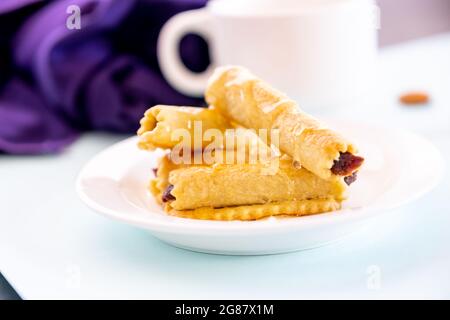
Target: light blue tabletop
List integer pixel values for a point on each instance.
(52, 246)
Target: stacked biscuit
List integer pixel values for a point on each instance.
(302, 167)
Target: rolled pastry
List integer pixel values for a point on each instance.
(161, 122)
(203, 136)
(189, 187)
(243, 98)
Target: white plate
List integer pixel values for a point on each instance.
(399, 167)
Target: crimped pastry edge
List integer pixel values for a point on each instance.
(258, 211)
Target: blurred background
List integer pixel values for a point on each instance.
(56, 82)
(403, 20)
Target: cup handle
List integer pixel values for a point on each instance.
(173, 69)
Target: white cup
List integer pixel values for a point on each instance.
(320, 52)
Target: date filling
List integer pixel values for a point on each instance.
(352, 178)
(167, 196)
(346, 164)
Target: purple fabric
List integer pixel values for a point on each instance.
(56, 82)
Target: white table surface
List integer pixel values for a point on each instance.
(52, 246)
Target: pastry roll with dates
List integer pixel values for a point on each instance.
(248, 101)
(243, 191)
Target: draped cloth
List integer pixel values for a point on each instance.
(56, 82)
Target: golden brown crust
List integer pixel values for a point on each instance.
(223, 185)
(259, 211)
(281, 190)
(248, 101)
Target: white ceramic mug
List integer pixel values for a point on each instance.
(320, 52)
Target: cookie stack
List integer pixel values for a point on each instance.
(251, 154)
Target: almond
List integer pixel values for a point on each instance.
(415, 97)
